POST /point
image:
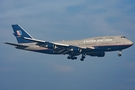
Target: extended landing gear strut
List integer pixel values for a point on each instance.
(119, 53)
(83, 57)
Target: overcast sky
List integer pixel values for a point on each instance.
(55, 20)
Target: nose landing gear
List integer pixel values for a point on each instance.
(119, 53)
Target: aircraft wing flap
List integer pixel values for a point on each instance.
(58, 47)
(61, 50)
(60, 44)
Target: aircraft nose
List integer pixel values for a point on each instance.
(131, 43)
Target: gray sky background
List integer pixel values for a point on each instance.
(55, 20)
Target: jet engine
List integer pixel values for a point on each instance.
(50, 46)
(47, 45)
(75, 49)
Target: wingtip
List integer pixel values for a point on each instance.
(5, 42)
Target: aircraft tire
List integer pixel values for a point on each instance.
(82, 59)
(68, 57)
(119, 55)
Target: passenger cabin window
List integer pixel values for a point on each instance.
(123, 37)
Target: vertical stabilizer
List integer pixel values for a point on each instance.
(20, 33)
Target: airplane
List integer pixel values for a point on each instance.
(96, 47)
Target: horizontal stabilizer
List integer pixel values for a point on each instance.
(16, 45)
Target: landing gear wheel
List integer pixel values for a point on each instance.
(82, 59)
(119, 54)
(68, 57)
(75, 57)
(71, 57)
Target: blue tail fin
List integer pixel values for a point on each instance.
(20, 33)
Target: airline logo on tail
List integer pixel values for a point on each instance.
(19, 33)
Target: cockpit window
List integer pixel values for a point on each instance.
(123, 37)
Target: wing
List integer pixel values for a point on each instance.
(65, 48)
(44, 42)
(58, 47)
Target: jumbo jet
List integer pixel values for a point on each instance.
(96, 46)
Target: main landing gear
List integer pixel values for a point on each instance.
(83, 57)
(72, 57)
(119, 53)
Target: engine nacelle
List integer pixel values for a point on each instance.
(98, 54)
(48, 45)
(75, 49)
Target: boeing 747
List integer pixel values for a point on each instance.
(96, 46)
